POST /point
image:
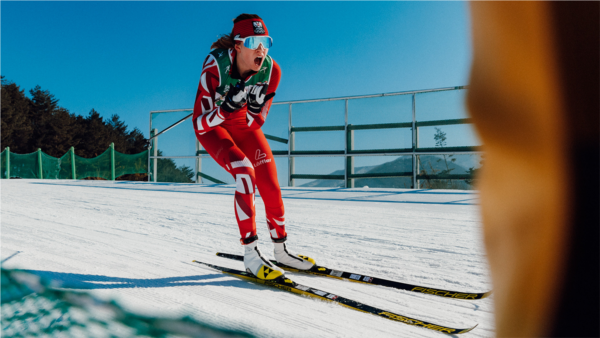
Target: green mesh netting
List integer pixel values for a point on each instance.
(31, 308)
(28, 165)
(131, 164)
(50, 166)
(24, 165)
(99, 166)
(66, 169)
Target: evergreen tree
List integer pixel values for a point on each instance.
(39, 122)
(16, 127)
(169, 172)
(53, 126)
(41, 107)
(126, 142)
(94, 136)
(60, 133)
(137, 141)
(118, 132)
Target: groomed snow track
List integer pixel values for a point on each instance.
(135, 241)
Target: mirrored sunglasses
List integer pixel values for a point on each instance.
(252, 42)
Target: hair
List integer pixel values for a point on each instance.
(226, 41)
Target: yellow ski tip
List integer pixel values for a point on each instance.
(486, 295)
(466, 330)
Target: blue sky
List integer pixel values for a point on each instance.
(129, 58)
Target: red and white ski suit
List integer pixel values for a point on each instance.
(242, 150)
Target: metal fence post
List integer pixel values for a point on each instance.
(150, 147)
(151, 140)
(349, 182)
(414, 143)
(348, 163)
(8, 163)
(155, 152)
(40, 173)
(198, 161)
(291, 162)
(350, 159)
(112, 161)
(417, 158)
(73, 163)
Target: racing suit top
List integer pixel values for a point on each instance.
(219, 72)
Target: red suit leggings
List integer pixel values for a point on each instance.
(246, 155)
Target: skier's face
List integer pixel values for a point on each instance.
(250, 59)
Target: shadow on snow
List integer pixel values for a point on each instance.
(90, 282)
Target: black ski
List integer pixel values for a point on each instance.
(359, 278)
(291, 286)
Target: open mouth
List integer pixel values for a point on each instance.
(258, 61)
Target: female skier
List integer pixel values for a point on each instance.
(237, 84)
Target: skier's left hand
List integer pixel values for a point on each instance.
(256, 101)
(258, 97)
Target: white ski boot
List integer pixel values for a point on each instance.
(258, 265)
(295, 261)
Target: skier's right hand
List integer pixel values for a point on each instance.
(235, 98)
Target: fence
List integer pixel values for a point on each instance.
(416, 139)
(108, 165)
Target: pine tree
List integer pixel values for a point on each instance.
(117, 131)
(60, 129)
(16, 127)
(126, 142)
(170, 172)
(137, 141)
(95, 137)
(42, 105)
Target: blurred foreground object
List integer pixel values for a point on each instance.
(534, 98)
(31, 308)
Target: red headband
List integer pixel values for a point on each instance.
(249, 27)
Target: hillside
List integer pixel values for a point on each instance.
(430, 164)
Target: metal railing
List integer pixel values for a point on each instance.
(349, 151)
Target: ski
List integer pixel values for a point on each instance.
(359, 278)
(287, 284)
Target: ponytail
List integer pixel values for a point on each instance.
(224, 42)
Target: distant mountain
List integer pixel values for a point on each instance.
(431, 164)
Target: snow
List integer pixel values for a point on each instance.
(135, 241)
